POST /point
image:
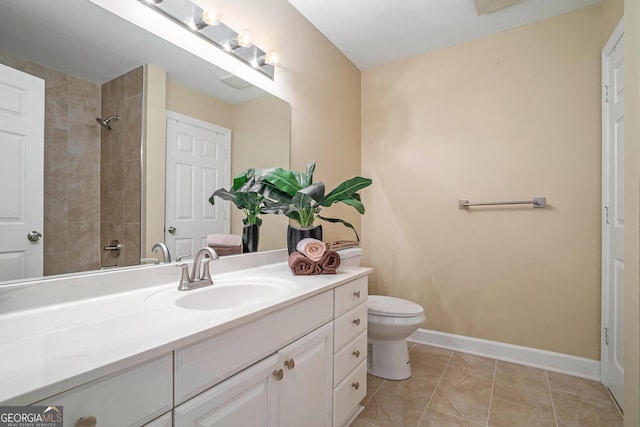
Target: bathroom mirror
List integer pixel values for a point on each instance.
(95, 66)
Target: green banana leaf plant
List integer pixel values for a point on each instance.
(295, 195)
(247, 194)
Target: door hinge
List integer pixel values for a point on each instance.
(606, 336)
(606, 214)
(606, 93)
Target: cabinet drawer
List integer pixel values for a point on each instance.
(349, 325)
(349, 357)
(349, 295)
(349, 393)
(206, 363)
(129, 398)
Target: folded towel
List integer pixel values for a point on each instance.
(329, 262)
(312, 248)
(301, 265)
(227, 250)
(224, 240)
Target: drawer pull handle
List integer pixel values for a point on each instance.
(86, 422)
(356, 294)
(279, 374)
(290, 364)
(356, 322)
(356, 353)
(355, 385)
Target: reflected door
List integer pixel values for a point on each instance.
(21, 174)
(198, 163)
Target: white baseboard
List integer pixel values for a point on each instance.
(551, 361)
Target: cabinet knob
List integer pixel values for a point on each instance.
(290, 364)
(355, 385)
(356, 353)
(279, 374)
(356, 294)
(86, 422)
(356, 322)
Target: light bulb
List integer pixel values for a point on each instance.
(272, 57)
(211, 16)
(245, 38)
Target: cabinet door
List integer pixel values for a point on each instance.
(249, 398)
(307, 384)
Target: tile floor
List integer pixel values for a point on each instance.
(451, 389)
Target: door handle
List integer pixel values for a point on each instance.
(172, 230)
(34, 236)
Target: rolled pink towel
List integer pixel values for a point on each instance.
(301, 265)
(222, 240)
(313, 249)
(329, 262)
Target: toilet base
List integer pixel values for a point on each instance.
(388, 359)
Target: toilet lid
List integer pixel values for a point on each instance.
(393, 307)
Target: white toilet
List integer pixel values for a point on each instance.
(390, 321)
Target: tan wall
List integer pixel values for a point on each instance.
(184, 100)
(506, 117)
(154, 134)
(322, 86)
(632, 211)
(261, 134)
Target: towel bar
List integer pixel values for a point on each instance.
(537, 202)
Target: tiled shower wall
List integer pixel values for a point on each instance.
(120, 170)
(71, 169)
(91, 188)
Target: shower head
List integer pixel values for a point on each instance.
(105, 123)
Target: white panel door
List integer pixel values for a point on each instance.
(198, 163)
(612, 370)
(21, 174)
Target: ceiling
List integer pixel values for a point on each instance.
(375, 32)
(84, 40)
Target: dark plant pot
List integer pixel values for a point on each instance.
(295, 234)
(250, 238)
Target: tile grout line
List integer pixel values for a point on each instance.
(553, 406)
(374, 393)
(493, 384)
(436, 388)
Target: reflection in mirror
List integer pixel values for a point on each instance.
(103, 186)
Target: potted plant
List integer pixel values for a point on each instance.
(295, 195)
(247, 194)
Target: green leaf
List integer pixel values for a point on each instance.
(315, 191)
(346, 190)
(224, 195)
(241, 179)
(342, 222)
(357, 204)
(282, 180)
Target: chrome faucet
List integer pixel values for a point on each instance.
(164, 249)
(197, 279)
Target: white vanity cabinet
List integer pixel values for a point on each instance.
(292, 387)
(350, 350)
(131, 397)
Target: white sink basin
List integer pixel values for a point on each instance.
(227, 294)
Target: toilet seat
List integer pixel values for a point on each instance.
(385, 306)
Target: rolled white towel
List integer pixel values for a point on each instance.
(313, 249)
(226, 240)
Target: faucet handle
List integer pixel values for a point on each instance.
(206, 275)
(184, 278)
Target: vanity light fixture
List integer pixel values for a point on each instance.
(209, 17)
(243, 39)
(206, 23)
(270, 58)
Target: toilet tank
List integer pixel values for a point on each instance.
(350, 257)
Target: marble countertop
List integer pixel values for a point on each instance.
(54, 347)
